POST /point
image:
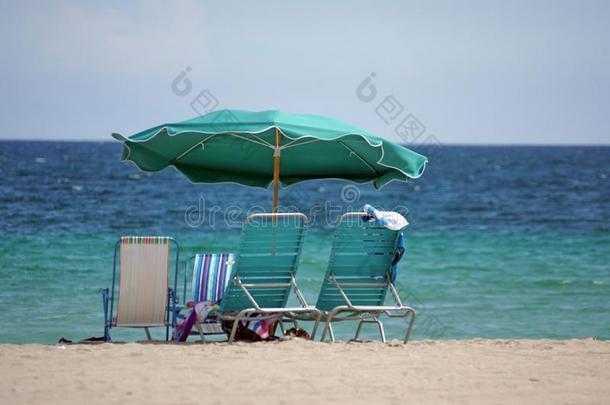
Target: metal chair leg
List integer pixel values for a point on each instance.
(325, 330)
(167, 315)
(107, 320)
(148, 334)
(328, 327)
(243, 314)
(411, 322)
(376, 321)
(316, 324)
(381, 330)
(358, 329)
(107, 334)
(331, 332)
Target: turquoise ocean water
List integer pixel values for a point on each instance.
(503, 242)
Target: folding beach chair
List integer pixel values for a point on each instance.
(144, 298)
(359, 275)
(210, 275)
(265, 270)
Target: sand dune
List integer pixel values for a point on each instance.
(297, 371)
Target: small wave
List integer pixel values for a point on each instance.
(76, 187)
(598, 282)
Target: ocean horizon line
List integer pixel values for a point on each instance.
(470, 144)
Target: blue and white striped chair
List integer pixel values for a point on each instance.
(210, 275)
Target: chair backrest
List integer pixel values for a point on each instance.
(143, 281)
(211, 273)
(269, 251)
(361, 258)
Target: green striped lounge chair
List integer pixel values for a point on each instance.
(140, 295)
(264, 272)
(358, 276)
(210, 276)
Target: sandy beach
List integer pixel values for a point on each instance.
(302, 372)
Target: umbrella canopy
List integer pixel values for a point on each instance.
(258, 148)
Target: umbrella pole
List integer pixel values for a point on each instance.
(276, 169)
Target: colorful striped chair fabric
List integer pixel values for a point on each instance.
(211, 272)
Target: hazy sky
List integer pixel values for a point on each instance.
(470, 72)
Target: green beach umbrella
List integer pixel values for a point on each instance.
(260, 148)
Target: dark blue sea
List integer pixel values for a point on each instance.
(503, 242)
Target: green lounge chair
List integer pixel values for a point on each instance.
(264, 272)
(358, 276)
